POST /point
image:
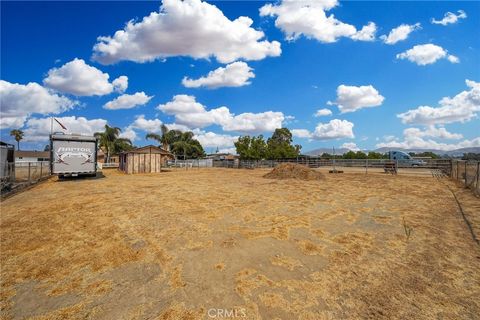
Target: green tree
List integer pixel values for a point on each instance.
(376, 155)
(349, 155)
(121, 145)
(251, 148)
(360, 155)
(258, 148)
(181, 147)
(355, 155)
(179, 143)
(242, 146)
(165, 138)
(196, 149)
(280, 145)
(17, 134)
(111, 143)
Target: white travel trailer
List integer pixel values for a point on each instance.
(73, 155)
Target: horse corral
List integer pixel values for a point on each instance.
(222, 243)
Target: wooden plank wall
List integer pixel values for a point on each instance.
(144, 163)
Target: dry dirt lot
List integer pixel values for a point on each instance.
(219, 243)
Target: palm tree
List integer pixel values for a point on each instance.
(165, 139)
(178, 142)
(122, 144)
(18, 135)
(110, 141)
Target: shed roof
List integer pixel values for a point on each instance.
(149, 149)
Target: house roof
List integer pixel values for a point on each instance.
(32, 154)
(149, 149)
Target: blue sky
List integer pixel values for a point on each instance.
(297, 70)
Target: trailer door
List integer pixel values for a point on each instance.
(73, 156)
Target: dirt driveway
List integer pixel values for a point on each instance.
(225, 243)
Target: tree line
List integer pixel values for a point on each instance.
(181, 144)
(278, 146)
(184, 145)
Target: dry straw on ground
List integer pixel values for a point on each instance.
(293, 171)
(178, 244)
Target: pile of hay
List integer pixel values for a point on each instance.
(293, 171)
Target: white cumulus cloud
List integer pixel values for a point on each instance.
(80, 79)
(432, 132)
(334, 129)
(301, 133)
(352, 98)
(400, 33)
(228, 150)
(450, 18)
(128, 133)
(120, 84)
(426, 54)
(186, 28)
(19, 101)
(309, 18)
(190, 113)
(236, 74)
(142, 124)
(38, 129)
(453, 59)
(254, 122)
(367, 33)
(462, 107)
(414, 138)
(212, 140)
(148, 125)
(128, 101)
(323, 112)
(350, 146)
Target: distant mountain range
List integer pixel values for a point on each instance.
(451, 153)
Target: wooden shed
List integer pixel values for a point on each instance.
(144, 159)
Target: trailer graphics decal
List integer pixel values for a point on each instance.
(64, 153)
(73, 154)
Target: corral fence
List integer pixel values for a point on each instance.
(425, 166)
(23, 173)
(26, 171)
(190, 163)
(467, 172)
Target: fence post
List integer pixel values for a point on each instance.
(41, 169)
(366, 166)
(478, 175)
(465, 173)
(29, 177)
